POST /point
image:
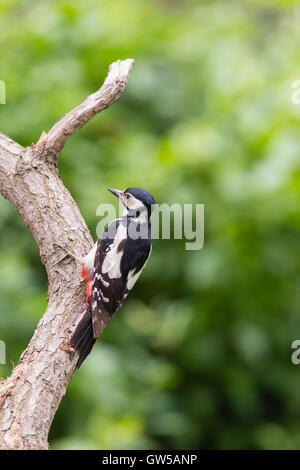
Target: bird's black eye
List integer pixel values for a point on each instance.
(127, 196)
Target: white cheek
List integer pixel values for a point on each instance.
(133, 203)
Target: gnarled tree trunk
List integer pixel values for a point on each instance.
(30, 181)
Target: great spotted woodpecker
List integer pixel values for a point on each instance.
(112, 267)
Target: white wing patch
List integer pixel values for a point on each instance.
(108, 262)
(112, 261)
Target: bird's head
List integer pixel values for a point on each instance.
(135, 200)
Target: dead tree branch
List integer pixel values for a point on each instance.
(29, 180)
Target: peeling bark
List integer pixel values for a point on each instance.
(30, 181)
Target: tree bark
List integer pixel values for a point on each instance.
(30, 181)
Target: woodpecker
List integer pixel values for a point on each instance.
(112, 267)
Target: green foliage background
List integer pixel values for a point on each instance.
(200, 354)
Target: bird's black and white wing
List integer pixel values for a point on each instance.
(118, 263)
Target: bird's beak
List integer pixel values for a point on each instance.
(116, 192)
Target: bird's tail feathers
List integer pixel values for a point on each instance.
(83, 339)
